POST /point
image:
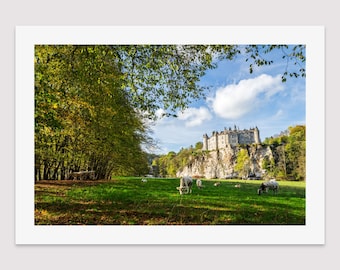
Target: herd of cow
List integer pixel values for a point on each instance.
(186, 182)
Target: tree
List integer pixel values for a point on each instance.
(243, 163)
(268, 164)
(296, 152)
(83, 118)
(290, 154)
(166, 76)
(198, 146)
(295, 54)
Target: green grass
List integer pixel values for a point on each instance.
(128, 201)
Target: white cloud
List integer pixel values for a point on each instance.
(278, 114)
(236, 100)
(194, 116)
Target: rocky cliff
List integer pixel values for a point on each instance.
(221, 163)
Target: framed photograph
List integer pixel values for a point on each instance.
(170, 135)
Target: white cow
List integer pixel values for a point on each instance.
(82, 175)
(269, 185)
(185, 185)
(199, 183)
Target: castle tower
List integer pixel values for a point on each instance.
(257, 135)
(216, 140)
(205, 142)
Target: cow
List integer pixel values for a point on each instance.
(199, 183)
(185, 185)
(269, 185)
(82, 175)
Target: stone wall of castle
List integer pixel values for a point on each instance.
(220, 140)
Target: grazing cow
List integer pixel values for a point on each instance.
(144, 180)
(199, 183)
(82, 175)
(269, 185)
(217, 184)
(185, 184)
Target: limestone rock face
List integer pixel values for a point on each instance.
(220, 163)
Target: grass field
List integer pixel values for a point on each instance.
(128, 201)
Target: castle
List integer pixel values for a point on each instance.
(220, 140)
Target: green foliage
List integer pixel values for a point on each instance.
(296, 152)
(296, 54)
(198, 146)
(268, 164)
(83, 118)
(167, 76)
(290, 154)
(172, 162)
(242, 163)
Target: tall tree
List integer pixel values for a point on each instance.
(296, 152)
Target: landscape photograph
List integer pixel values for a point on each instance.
(170, 134)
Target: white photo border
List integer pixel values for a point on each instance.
(313, 232)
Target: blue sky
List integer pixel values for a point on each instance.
(239, 98)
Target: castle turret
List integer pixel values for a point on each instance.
(205, 142)
(257, 135)
(216, 140)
